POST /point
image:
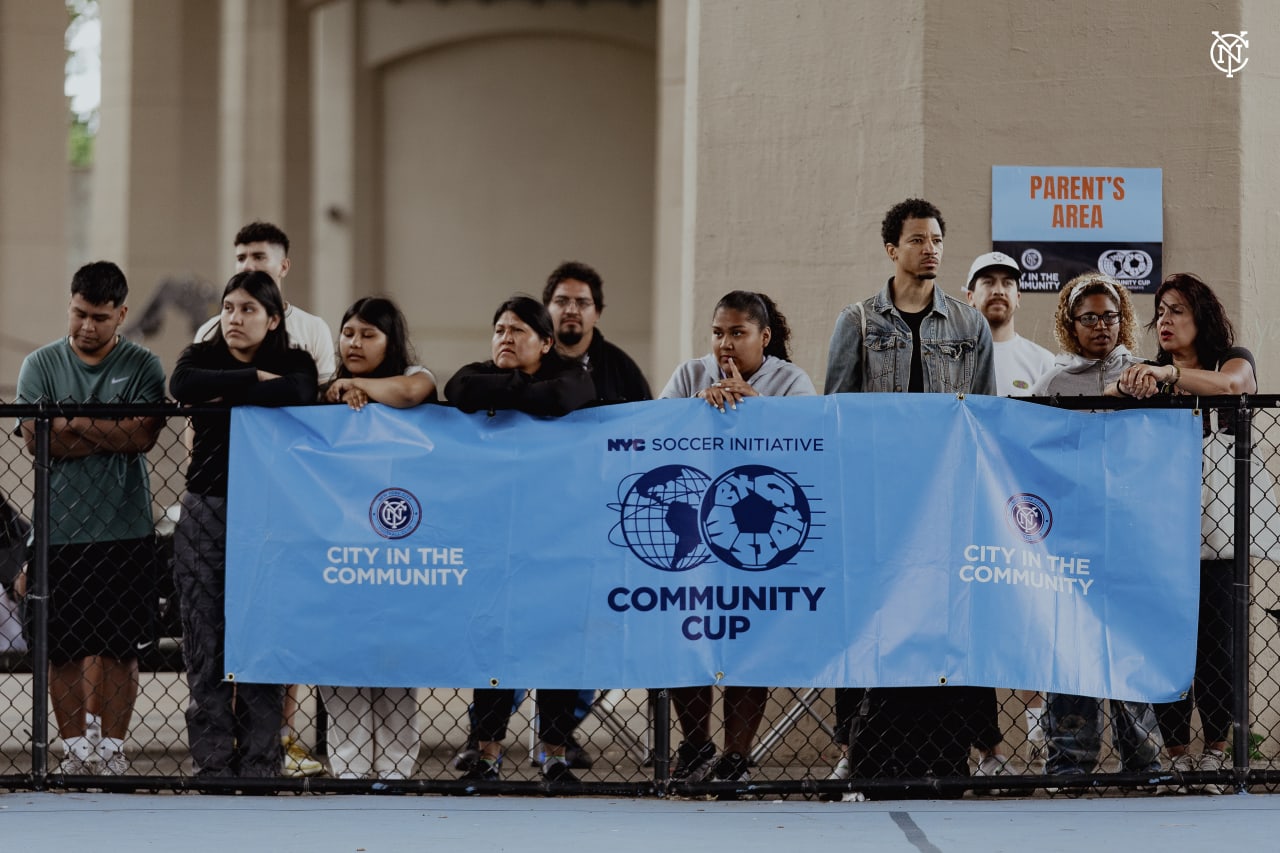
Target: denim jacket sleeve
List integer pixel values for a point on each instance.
(844, 355)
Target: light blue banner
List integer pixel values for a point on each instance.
(1093, 204)
(849, 540)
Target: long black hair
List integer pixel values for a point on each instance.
(384, 315)
(263, 288)
(762, 311)
(1214, 332)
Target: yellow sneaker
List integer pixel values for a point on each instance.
(298, 762)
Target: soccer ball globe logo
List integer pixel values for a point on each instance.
(755, 518)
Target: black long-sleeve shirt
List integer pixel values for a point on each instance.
(557, 388)
(208, 372)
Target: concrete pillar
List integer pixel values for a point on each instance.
(155, 185)
(805, 121)
(338, 216)
(33, 182)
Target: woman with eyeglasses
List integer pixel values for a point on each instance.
(1198, 355)
(1095, 326)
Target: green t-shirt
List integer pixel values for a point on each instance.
(105, 496)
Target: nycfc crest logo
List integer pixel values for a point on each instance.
(1030, 516)
(394, 513)
(1227, 52)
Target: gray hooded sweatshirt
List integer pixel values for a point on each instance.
(1076, 376)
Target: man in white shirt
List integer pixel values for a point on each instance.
(263, 246)
(992, 288)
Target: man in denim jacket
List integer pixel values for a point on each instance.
(917, 338)
(912, 337)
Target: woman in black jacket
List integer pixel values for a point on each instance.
(233, 730)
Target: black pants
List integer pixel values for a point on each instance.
(556, 720)
(1211, 690)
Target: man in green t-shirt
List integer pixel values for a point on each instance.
(100, 591)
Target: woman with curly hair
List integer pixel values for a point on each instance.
(1095, 327)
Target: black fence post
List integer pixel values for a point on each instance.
(661, 738)
(38, 603)
(1240, 745)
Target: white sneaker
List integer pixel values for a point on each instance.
(1185, 763)
(842, 770)
(115, 764)
(78, 758)
(993, 765)
(1213, 760)
(93, 729)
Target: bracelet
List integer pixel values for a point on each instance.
(1177, 376)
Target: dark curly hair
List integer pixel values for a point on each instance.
(762, 311)
(1091, 284)
(912, 208)
(577, 271)
(262, 232)
(1214, 332)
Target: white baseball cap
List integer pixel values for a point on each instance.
(991, 259)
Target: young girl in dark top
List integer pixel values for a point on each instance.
(233, 730)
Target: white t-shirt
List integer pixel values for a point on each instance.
(1019, 363)
(306, 331)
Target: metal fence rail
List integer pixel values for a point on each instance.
(628, 740)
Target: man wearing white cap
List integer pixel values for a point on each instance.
(992, 288)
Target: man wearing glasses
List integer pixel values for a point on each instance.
(575, 297)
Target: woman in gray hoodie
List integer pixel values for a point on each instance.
(749, 358)
(1095, 327)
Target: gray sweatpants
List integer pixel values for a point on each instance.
(233, 729)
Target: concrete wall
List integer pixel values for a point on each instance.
(34, 182)
(814, 118)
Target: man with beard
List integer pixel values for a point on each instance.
(575, 297)
(993, 290)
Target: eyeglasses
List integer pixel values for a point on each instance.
(1090, 320)
(563, 302)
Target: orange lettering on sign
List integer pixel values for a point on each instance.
(1076, 216)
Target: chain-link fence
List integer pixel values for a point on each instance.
(74, 713)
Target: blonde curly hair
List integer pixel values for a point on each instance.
(1078, 288)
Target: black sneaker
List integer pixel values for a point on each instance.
(693, 762)
(733, 767)
(483, 770)
(466, 758)
(556, 769)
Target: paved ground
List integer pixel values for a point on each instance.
(367, 824)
